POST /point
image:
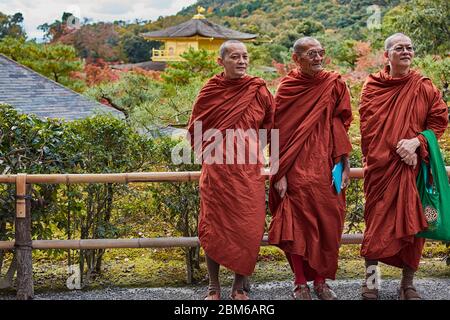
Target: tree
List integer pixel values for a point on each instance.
(342, 51)
(425, 21)
(287, 38)
(55, 61)
(293, 30)
(98, 72)
(171, 107)
(178, 203)
(197, 64)
(94, 41)
(309, 27)
(101, 144)
(29, 145)
(128, 93)
(345, 53)
(11, 25)
(91, 41)
(259, 54)
(137, 49)
(279, 53)
(438, 70)
(54, 31)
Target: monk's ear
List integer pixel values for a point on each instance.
(220, 61)
(386, 54)
(295, 58)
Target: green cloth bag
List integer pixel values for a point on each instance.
(435, 197)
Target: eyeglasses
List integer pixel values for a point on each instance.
(400, 49)
(312, 53)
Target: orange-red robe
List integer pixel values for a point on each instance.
(313, 115)
(232, 196)
(391, 110)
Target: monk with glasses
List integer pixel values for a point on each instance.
(313, 115)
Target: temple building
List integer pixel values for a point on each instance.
(197, 33)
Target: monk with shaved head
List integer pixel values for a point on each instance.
(396, 104)
(313, 115)
(230, 110)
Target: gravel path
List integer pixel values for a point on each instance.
(430, 289)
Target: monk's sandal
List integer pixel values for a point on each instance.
(324, 292)
(368, 294)
(301, 292)
(239, 295)
(213, 295)
(409, 293)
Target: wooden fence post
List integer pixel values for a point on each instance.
(23, 243)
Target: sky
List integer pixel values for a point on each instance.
(37, 12)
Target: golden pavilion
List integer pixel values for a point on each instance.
(197, 33)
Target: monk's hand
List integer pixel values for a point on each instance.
(346, 175)
(281, 186)
(411, 160)
(407, 147)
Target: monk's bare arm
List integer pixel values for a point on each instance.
(407, 147)
(411, 160)
(281, 186)
(346, 172)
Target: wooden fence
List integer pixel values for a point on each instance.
(23, 245)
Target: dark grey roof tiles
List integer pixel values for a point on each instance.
(30, 92)
(146, 65)
(201, 27)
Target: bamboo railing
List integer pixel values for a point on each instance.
(23, 244)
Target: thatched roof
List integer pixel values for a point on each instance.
(199, 27)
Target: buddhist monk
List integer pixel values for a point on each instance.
(232, 192)
(313, 115)
(396, 104)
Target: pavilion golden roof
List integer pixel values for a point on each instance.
(199, 26)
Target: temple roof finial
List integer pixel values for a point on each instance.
(200, 11)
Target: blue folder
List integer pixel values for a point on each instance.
(337, 176)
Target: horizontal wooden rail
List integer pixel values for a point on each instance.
(355, 173)
(168, 242)
(106, 177)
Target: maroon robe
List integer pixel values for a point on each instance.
(232, 196)
(392, 110)
(313, 114)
